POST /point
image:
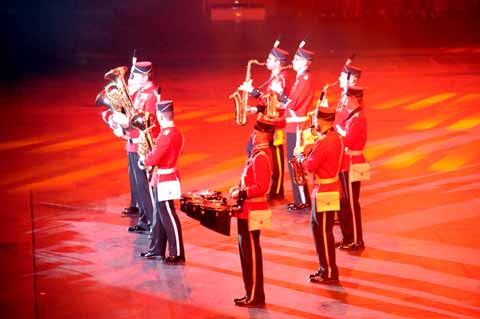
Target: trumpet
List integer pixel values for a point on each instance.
(241, 98)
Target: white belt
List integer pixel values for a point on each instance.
(161, 171)
(353, 153)
(297, 119)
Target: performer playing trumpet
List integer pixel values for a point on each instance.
(271, 111)
(324, 160)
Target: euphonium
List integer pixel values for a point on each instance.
(241, 98)
(115, 94)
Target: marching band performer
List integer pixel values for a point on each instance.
(165, 182)
(297, 105)
(354, 131)
(142, 92)
(349, 76)
(350, 214)
(324, 162)
(254, 184)
(276, 63)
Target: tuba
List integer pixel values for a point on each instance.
(115, 94)
(241, 98)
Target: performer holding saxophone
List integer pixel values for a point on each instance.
(254, 184)
(352, 127)
(141, 91)
(324, 160)
(165, 182)
(297, 105)
(270, 110)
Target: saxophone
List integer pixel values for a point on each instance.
(272, 102)
(241, 98)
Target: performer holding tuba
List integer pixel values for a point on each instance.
(297, 105)
(270, 110)
(127, 102)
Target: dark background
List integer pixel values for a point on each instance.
(52, 36)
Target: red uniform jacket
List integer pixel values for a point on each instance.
(256, 178)
(325, 162)
(355, 139)
(299, 102)
(144, 100)
(341, 113)
(166, 151)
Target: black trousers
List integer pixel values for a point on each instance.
(172, 228)
(300, 193)
(141, 190)
(251, 260)
(350, 213)
(134, 202)
(278, 170)
(322, 229)
(158, 239)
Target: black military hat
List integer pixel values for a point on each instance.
(355, 91)
(165, 106)
(278, 53)
(304, 53)
(352, 70)
(326, 113)
(143, 67)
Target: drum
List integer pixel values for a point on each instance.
(210, 208)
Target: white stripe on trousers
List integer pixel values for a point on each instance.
(177, 239)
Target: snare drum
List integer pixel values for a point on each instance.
(210, 208)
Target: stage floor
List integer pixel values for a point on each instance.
(421, 209)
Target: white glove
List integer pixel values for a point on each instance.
(118, 132)
(252, 109)
(233, 189)
(120, 118)
(246, 86)
(276, 86)
(340, 130)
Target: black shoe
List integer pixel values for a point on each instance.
(255, 303)
(319, 278)
(152, 255)
(293, 206)
(136, 229)
(275, 197)
(127, 211)
(352, 246)
(235, 300)
(175, 260)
